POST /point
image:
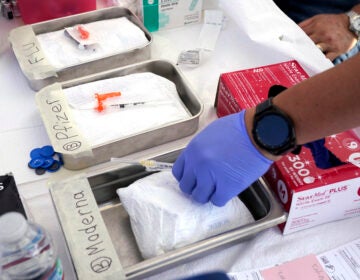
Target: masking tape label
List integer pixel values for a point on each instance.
(65, 136)
(29, 54)
(88, 240)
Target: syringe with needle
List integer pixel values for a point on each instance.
(149, 164)
(126, 105)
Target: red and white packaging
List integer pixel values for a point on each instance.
(311, 196)
(314, 196)
(243, 89)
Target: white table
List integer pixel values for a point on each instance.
(247, 41)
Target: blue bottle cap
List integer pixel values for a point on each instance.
(47, 162)
(40, 171)
(47, 151)
(35, 153)
(54, 167)
(60, 157)
(36, 162)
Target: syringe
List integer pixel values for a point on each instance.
(134, 104)
(149, 164)
(126, 105)
(120, 106)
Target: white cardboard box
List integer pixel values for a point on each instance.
(164, 14)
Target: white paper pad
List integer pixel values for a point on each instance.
(112, 36)
(163, 106)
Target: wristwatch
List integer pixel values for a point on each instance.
(273, 130)
(354, 22)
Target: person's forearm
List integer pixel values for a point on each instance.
(325, 104)
(356, 8)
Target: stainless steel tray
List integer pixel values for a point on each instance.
(258, 198)
(75, 160)
(28, 52)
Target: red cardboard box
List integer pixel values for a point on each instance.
(310, 195)
(246, 88)
(314, 196)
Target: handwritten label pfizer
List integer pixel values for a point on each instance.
(65, 136)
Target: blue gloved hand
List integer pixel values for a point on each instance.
(220, 162)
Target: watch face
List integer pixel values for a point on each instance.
(273, 131)
(356, 23)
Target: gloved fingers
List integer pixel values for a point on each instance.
(220, 199)
(188, 181)
(205, 186)
(178, 167)
(225, 190)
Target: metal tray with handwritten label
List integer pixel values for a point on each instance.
(267, 212)
(58, 122)
(28, 51)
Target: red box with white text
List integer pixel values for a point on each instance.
(243, 89)
(311, 195)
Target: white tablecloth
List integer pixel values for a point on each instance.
(256, 34)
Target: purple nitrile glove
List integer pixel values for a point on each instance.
(220, 162)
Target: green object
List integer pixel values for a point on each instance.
(163, 20)
(193, 5)
(151, 14)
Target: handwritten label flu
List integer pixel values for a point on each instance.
(33, 53)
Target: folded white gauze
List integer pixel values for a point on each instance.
(162, 106)
(112, 36)
(163, 218)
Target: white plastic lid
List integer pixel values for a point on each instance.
(13, 226)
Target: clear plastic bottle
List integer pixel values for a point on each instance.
(0, 259)
(27, 250)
